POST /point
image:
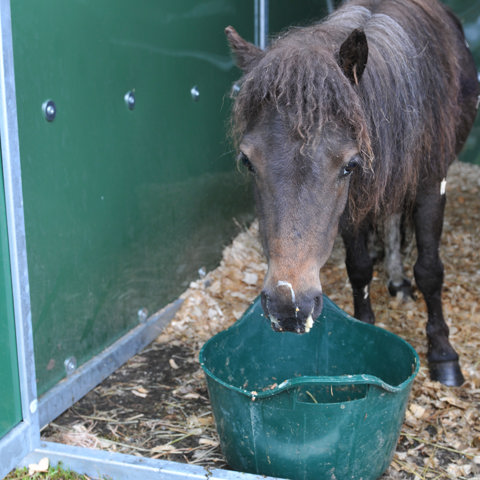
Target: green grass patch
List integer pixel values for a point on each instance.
(53, 473)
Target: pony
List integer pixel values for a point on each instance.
(347, 124)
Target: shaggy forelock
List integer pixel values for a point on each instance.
(307, 87)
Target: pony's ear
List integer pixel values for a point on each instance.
(246, 54)
(353, 55)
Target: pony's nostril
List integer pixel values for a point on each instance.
(265, 299)
(317, 304)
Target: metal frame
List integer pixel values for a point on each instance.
(98, 463)
(22, 445)
(26, 435)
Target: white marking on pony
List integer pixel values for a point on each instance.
(309, 323)
(443, 186)
(365, 292)
(282, 283)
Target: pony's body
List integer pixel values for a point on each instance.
(346, 123)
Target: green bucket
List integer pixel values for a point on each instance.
(324, 405)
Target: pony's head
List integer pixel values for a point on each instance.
(300, 130)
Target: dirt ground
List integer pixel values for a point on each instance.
(157, 404)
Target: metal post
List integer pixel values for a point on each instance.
(261, 23)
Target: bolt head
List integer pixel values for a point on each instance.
(49, 110)
(70, 364)
(195, 93)
(130, 99)
(33, 406)
(142, 315)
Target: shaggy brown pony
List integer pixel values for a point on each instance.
(345, 123)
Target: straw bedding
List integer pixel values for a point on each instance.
(157, 404)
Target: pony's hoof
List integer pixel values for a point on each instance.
(448, 373)
(405, 290)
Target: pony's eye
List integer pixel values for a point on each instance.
(246, 162)
(350, 166)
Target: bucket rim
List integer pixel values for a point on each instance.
(333, 380)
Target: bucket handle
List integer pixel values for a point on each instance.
(357, 379)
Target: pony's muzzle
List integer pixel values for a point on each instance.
(291, 315)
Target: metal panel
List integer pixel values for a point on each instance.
(122, 206)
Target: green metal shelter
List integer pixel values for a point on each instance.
(118, 185)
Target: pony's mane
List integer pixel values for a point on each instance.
(401, 111)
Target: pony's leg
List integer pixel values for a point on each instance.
(428, 217)
(360, 271)
(398, 284)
